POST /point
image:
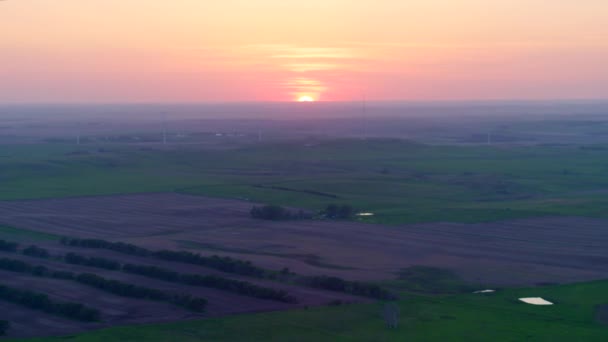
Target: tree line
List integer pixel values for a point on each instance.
(351, 287)
(237, 266)
(112, 286)
(221, 283)
(39, 271)
(32, 250)
(37, 252)
(224, 264)
(212, 281)
(8, 246)
(277, 213)
(339, 212)
(41, 302)
(76, 259)
(123, 289)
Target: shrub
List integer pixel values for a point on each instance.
(271, 212)
(122, 247)
(351, 287)
(339, 212)
(4, 326)
(225, 264)
(62, 275)
(37, 252)
(8, 246)
(141, 292)
(221, 283)
(40, 301)
(76, 259)
(15, 265)
(277, 213)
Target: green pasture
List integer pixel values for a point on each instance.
(462, 317)
(401, 182)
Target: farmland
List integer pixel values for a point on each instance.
(517, 215)
(514, 252)
(118, 309)
(523, 252)
(400, 181)
(465, 317)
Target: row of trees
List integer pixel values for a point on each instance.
(32, 250)
(141, 292)
(237, 266)
(39, 271)
(277, 213)
(351, 287)
(40, 301)
(8, 246)
(225, 264)
(76, 259)
(113, 286)
(121, 247)
(37, 252)
(339, 212)
(221, 283)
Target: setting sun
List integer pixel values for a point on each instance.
(306, 98)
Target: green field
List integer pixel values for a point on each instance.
(18, 235)
(400, 181)
(465, 317)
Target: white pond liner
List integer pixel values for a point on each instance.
(485, 291)
(535, 301)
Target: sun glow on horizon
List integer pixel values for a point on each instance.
(306, 98)
(106, 51)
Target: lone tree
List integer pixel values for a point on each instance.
(391, 315)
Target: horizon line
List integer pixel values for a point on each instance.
(244, 102)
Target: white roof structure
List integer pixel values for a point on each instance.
(535, 301)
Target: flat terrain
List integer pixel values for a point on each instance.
(502, 196)
(117, 310)
(399, 180)
(465, 317)
(515, 252)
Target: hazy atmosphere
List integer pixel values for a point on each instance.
(321, 170)
(277, 50)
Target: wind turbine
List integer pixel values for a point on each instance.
(364, 115)
(164, 122)
(78, 131)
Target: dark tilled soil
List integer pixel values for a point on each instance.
(517, 252)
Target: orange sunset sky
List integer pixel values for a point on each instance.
(283, 50)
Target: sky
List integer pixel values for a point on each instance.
(285, 50)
